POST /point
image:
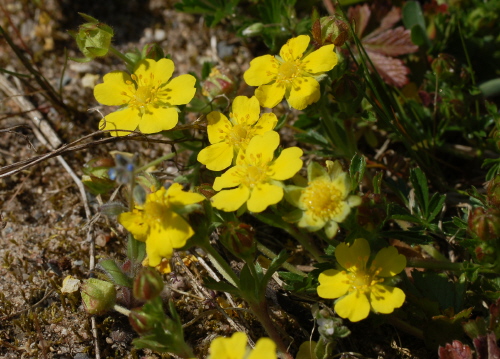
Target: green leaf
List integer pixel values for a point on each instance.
(273, 267)
(115, 273)
(249, 285)
(419, 183)
(357, 169)
(413, 19)
(435, 206)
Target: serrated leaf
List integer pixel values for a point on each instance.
(435, 206)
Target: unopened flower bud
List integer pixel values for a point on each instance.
(141, 322)
(148, 284)
(330, 30)
(253, 30)
(485, 223)
(93, 38)
(348, 88)
(493, 189)
(98, 296)
(206, 190)
(219, 82)
(445, 66)
(239, 239)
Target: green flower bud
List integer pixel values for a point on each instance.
(239, 239)
(98, 296)
(484, 223)
(219, 82)
(253, 30)
(330, 30)
(148, 284)
(141, 322)
(445, 66)
(93, 38)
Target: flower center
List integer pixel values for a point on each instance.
(362, 280)
(238, 136)
(322, 198)
(288, 71)
(145, 93)
(254, 175)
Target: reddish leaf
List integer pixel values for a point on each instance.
(359, 16)
(389, 20)
(456, 350)
(493, 349)
(392, 42)
(392, 70)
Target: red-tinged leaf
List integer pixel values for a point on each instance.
(481, 345)
(359, 16)
(493, 349)
(392, 42)
(456, 350)
(392, 70)
(388, 21)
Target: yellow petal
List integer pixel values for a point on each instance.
(114, 91)
(216, 157)
(333, 284)
(264, 349)
(304, 91)
(294, 48)
(260, 149)
(176, 196)
(388, 262)
(158, 72)
(270, 95)
(179, 91)
(267, 122)
(343, 211)
(331, 229)
(231, 178)
(263, 69)
(157, 119)
(321, 60)
(229, 348)
(311, 221)
(264, 195)
(287, 164)
(231, 199)
(135, 223)
(126, 119)
(172, 232)
(354, 306)
(245, 110)
(354, 257)
(385, 299)
(218, 127)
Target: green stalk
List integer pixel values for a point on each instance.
(121, 56)
(432, 264)
(221, 265)
(121, 310)
(155, 162)
(270, 254)
(405, 327)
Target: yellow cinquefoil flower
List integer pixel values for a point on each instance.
(159, 223)
(359, 286)
(236, 348)
(257, 175)
(325, 201)
(228, 137)
(291, 74)
(147, 97)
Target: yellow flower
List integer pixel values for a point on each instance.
(257, 176)
(147, 98)
(291, 74)
(325, 201)
(236, 348)
(228, 137)
(159, 223)
(360, 288)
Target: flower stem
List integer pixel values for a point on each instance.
(261, 312)
(121, 310)
(405, 327)
(270, 254)
(121, 56)
(155, 162)
(433, 264)
(222, 266)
